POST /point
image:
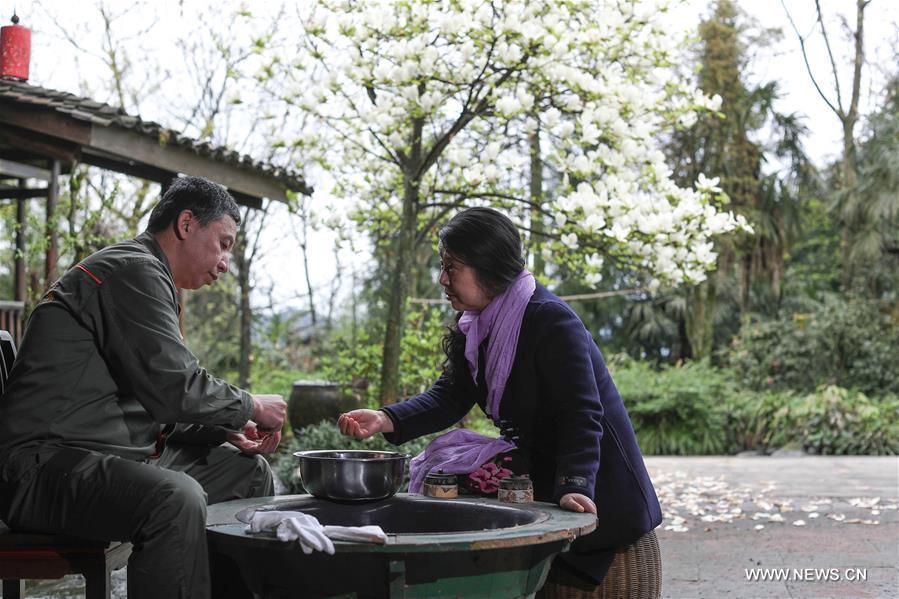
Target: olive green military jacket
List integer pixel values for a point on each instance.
(103, 366)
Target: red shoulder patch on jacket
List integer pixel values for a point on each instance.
(89, 273)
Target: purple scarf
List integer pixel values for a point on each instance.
(461, 451)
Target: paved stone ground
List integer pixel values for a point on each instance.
(725, 516)
(824, 517)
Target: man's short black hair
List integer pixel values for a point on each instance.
(208, 201)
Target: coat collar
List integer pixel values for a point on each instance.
(147, 240)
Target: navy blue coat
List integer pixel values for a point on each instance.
(562, 405)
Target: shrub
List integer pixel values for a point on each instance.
(837, 421)
(356, 363)
(830, 421)
(758, 421)
(675, 410)
(851, 343)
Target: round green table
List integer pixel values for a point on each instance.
(436, 547)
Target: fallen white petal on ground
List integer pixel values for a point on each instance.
(689, 500)
(865, 502)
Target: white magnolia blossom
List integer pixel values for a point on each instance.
(708, 185)
(594, 78)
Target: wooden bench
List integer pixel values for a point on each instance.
(36, 556)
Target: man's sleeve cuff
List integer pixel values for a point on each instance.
(245, 414)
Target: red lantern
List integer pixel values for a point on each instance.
(15, 51)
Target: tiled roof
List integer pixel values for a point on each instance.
(104, 115)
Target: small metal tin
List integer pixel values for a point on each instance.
(440, 485)
(516, 489)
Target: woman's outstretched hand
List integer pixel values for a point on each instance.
(575, 502)
(362, 424)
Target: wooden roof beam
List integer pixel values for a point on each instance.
(46, 121)
(42, 145)
(17, 170)
(22, 193)
(182, 160)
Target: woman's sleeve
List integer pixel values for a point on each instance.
(565, 371)
(440, 407)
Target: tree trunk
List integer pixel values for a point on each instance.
(402, 275)
(399, 291)
(304, 247)
(20, 289)
(700, 317)
(246, 313)
(536, 197)
(849, 179)
(848, 169)
(745, 281)
(52, 255)
(777, 272)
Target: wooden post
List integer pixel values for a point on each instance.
(20, 290)
(52, 255)
(13, 589)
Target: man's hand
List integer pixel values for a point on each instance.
(362, 424)
(575, 502)
(250, 440)
(269, 412)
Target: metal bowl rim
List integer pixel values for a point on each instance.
(319, 454)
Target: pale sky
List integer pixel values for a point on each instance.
(55, 65)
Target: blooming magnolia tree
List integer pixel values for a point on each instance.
(425, 106)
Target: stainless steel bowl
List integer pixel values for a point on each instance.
(351, 475)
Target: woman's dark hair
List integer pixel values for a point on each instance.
(208, 201)
(489, 242)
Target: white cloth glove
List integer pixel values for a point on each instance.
(360, 534)
(308, 531)
(293, 526)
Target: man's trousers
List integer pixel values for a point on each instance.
(157, 505)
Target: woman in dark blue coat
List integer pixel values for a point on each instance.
(527, 360)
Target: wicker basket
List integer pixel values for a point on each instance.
(636, 573)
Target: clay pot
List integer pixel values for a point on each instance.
(313, 401)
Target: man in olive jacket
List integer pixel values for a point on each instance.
(103, 377)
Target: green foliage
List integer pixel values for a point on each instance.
(830, 421)
(675, 410)
(813, 267)
(325, 435)
(734, 145)
(699, 409)
(836, 421)
(278, 381)
(211, 321)
(851, 342)
(870, 210)
(758, 421)
(355, 360)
